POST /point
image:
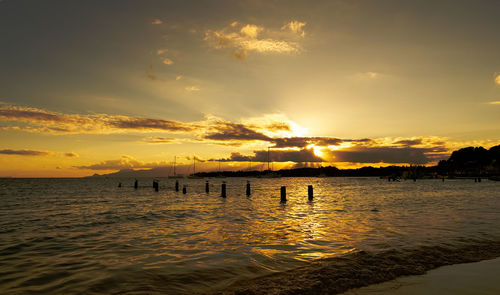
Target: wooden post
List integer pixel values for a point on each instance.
(223, 190)
(176, 185)
(248, 188)
(119, 184)
(184, 190)
(310, 192)
(283, 194)
(207, 187)
(136, 184)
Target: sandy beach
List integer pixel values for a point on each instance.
(468, 278)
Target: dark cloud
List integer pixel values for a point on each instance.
(384, 154)
(409, 142)
(235, 131)
(149, 124)
(302, 142)
(125, 162)
(278, 126)
(71, 155)
(25, 152)
(304, 155)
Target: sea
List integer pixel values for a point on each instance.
(101, 235)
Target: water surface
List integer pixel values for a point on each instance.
(88, 236)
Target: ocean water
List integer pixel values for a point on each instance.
(89, 236)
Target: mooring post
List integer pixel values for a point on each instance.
(310, 192)
(248, 188)
(184, 190)
(156, 185)
(207, 187)
(176, 185)
(119, 184)
(223, 190)
(283, 194)
(136, 184)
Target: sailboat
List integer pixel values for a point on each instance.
(194, 176)
(175, 174)
(270, 173)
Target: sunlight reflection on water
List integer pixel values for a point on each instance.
(88, 235)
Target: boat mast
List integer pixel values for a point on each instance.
(174, 164)
(268, 169)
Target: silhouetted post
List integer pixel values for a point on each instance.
(223, 190)
(310, 192)
(119, 184)
(283, 194)
(184, 190)
(414, 179)
(136, 184)
(176, 185)
(248, 188)
(207, 187)
(156, 185)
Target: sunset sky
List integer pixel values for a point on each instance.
(97, 86)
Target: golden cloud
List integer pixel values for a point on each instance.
(168, 61)
(295, 27)
(254, 38)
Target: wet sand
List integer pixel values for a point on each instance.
(468, 278)
(355, 270)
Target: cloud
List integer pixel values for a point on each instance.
(71, 155)
(497, 78)
(161, 51)
(192, 88)
(167, 61)
(227, 131)
(409, 142)
(302, 142)
(43, 121)
(157, 22)
(125, 162)
(179, 77)
(254, 38)
(295, 27)
(25, 152)
(496, 102)
(251, 31)
(394, 155)
(297, 156)
(158, 139)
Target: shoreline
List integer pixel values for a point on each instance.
(361, 269)
(465, 278)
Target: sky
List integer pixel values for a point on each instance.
(98, 86)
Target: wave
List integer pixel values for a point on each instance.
(358, 269)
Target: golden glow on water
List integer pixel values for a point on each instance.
(105, 231)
